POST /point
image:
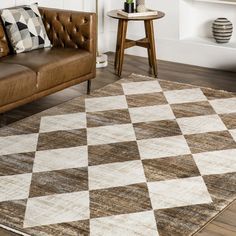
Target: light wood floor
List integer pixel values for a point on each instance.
(225, 223)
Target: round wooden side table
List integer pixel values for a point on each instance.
(123, 43)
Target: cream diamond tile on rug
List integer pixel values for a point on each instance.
(233, 133)
(185, 96)
(105, 103)
(63, 122)
(178, 192)
(163, 147)
(201, 124)
(141, 223)
(224, 106)
(54, 209)
(141, 87)
(151, 113)
(60, 159)
(116, 174)
(110, 134)
(218, 162)
(18, 144)
(14, 187)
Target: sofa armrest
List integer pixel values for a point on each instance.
(70, 29)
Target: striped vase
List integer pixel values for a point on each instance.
(222, 30)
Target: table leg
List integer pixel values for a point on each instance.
(151, 38)
(122, 46)
(118, 44)
(148, 49)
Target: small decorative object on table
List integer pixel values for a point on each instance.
(222, 30)
(129, 6)
(140, 6)
(148, 12)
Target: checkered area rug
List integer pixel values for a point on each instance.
(139, 157)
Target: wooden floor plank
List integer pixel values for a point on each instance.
(223, 225)
(4, 232)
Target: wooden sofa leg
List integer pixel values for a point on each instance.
(89, 87)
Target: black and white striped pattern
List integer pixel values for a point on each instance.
(222, 30)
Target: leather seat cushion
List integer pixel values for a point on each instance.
(16, 83)
(55, 66)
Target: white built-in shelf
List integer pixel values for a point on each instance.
(229, 2)
(210, 42)
(196, 22)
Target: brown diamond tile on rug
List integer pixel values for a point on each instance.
(170, 168)
(119, 200)
(181, 221)
(143, 100)
(113, 89)
(136, 78)
(156, 129)
(12, 213)
(212, 94)
(16, 164)
(61, 181)
(211, 141)
(62, 139)
(73, 106)
(168, 85)
(192, 109)
(29, 126)
(75, 228)
(113, 117)
(222, 188)
(110, 153)
(229, 120)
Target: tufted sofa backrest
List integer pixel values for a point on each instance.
(69, 28)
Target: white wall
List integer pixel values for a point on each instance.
(184, 19)
(70, 4)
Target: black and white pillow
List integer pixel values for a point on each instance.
(25, 28)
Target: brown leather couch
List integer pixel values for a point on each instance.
(72, 59)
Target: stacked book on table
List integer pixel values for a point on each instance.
(149, 12)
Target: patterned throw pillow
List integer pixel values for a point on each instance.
(25, 29)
